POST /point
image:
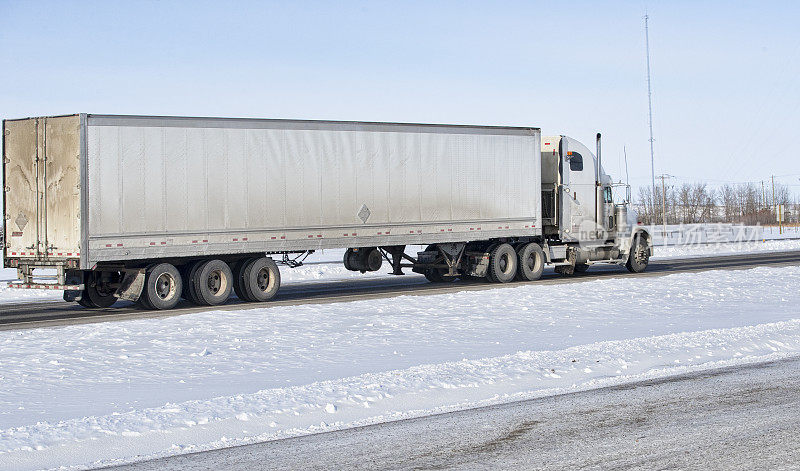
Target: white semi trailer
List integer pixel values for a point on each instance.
(153, 209)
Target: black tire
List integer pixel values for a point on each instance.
(184, 271)
(261, 279)
(99, 298)
(639, 256)
(530, 262)
(348, 254)
(434, 275)
(162, 287)
(503, 263)
(96, 295)
(142, 302)
(213, 282)
(85, 301)
(189, 291)
(488, 276)
(581, 268)
(238, 278)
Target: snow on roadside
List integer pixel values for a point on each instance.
(10, 295)
(116, 392)
(723, 248)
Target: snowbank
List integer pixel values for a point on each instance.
(718, 249)
(116, 392)
(690, 234)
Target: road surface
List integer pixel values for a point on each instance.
(55, 313)
(735, 418)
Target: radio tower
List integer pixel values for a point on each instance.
(650, 109)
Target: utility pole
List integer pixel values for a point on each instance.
(664, 202)
(650, 107)
(775, 208)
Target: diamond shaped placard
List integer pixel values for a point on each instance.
(363, 213)
(21, 221)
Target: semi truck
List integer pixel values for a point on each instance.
(156, 209)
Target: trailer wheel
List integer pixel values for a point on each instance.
(84, 301)
(261, 279)
(213, 282)
(503, 263)
(143, 302)
(99, 297)
(639, 256)
(190, 272)
(97, 294)
(238, 278)
(530, 258)
(162, 287)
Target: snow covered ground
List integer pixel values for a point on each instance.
(87, 395)
(725, 248)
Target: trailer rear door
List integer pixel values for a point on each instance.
(42, 201)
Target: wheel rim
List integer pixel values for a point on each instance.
(263, 279)
(641, 254)
(165, 286)
(532, 262)
(217, 282)
(505, 264)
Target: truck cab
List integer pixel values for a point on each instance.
(579, 210)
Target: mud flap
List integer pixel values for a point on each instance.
(74, 278)
(478, 264)
(572, 258)
(132, 284)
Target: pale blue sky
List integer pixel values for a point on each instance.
(725, 74)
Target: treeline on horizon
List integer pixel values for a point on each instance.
(691, 203)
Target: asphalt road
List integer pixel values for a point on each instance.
(736, 418)
(54, 313)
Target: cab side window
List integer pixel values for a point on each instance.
(575, 161)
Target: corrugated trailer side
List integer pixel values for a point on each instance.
(175, 187)
(152, 209)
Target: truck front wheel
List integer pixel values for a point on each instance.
(639, 256)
